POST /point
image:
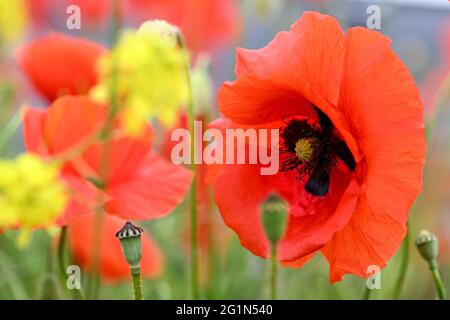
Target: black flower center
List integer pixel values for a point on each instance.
(313, 149)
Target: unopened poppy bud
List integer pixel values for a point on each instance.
(274, 218)
(130, 239)
(428, 246)
(160, 28)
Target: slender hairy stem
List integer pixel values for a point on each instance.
(193, 193)
(94, 289)
(10, 128)
(443, 97)
(61, 251)
(273, 273)
(403, 266)
(137, 283)
(194, 243)
(367, 293)
(62, 245)
(440, 289)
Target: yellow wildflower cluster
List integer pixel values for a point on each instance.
(31, 194)
(148, 70)
(13, 19)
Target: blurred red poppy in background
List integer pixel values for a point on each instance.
(140, 185)
(351, 140)
(133, 189)
(58, 64)
(206, 24)
(92, 12)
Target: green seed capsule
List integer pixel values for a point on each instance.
(274, 216)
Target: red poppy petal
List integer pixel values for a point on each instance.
(313, 223)
(82, 195)
(125, 155)
(70, 120)
(380, 95)
(280, 79)
(113, 266)
(33, 127)
(59, 64)
(153, 191)
(239, 191)
(298, 263)
(370, 239)
(390, 126)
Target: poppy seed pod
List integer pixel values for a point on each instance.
(130, 239)
(428, 246)
(274, 218)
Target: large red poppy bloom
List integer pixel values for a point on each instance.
(351, 101)
(206, 24)
(58, 65)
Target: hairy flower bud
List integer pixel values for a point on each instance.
(274, 218)
(160, 28)
(428, 246)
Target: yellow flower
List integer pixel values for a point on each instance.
(13, 19)
(31, 194)
(148, 71)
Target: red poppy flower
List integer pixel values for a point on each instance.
(206, 24)
(140, 184)
(113, 266)
(58, 64)
(351, 104)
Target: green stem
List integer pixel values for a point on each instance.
(405, 253)
(273, 273)
(443, 97)
(137, 283)
(94, 287)
(62, 247)
(193, 193)
(367, 293)
(10, 129)
(440, 289)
